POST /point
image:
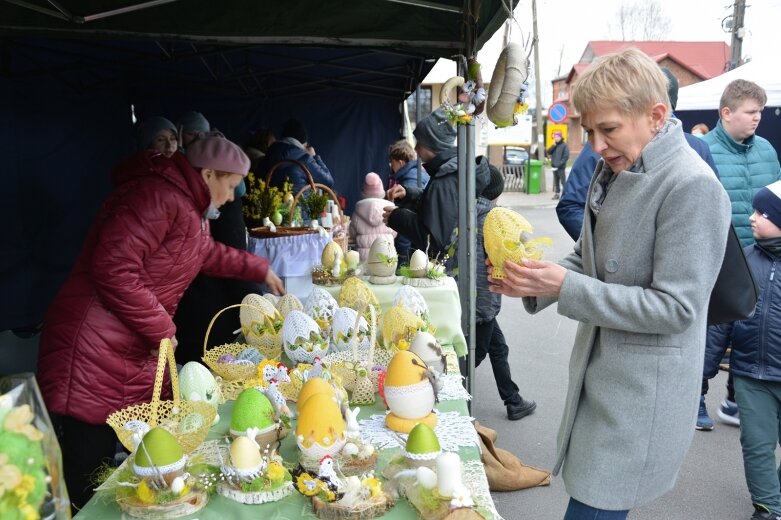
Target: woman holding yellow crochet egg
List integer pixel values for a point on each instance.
(638, 288)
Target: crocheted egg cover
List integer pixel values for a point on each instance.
(399, 327)
(504, 236)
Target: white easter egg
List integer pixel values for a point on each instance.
(177, 485)
(421, 346)
(418, 263)
(350, 449)
(382, 259)
(426, 477)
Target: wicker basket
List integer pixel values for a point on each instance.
(232, 371)
(188, 421)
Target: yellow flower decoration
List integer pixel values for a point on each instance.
(275, 472)
(308, 485)
(403, 344)
(374, 485)
(146, 494)
(10, 475)
(28, 512)
(18, 420)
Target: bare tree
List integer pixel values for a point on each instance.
(642, 20)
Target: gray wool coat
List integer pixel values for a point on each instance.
(639, 285)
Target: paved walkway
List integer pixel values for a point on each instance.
(519, 199)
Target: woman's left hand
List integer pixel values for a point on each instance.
(529, 278)
(274, 283)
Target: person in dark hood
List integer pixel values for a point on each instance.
(427, 216)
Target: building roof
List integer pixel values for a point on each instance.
(704, 59)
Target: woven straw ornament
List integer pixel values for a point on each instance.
(504, 236)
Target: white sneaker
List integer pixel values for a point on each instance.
(728, 412)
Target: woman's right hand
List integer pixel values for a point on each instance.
(396, 192)
(274, 283)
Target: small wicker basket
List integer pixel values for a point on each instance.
(188, 421)
(270, 349)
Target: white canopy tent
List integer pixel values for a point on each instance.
(706, 95)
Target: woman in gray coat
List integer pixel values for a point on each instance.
(638, 281)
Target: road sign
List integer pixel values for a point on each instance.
(557, 112)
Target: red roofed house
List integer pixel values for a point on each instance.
(690, 62)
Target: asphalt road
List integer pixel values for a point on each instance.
(711, 483)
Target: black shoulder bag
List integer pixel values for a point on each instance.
(735, 294)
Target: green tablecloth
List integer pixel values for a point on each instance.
(443, 304)
(102, 506)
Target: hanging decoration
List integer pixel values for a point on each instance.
(470, 95)
(507, 92)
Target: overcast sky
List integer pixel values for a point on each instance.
(566, 26)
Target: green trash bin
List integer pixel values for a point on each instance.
(532, 177)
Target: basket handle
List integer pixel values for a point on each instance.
(331, 193)
(211, 323)
(301, 165)
(165, 353)
(372, 333)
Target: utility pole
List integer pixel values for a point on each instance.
(738, 31)
(538, 96)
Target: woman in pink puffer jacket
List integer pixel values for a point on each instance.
(366, 221)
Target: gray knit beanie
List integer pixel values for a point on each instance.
(149, 128)
(436, 132)
(194, 122)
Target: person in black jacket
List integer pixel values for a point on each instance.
(559, 154)
(755, 362)
(428, 216)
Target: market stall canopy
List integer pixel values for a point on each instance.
(78, 73)
(706, 94)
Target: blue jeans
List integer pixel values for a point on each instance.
(580, 511)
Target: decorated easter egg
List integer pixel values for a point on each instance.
(315, 385)
(342, 329)
(422, 443)
(245, 453)
(399, 326)
(321, 306)
(287, 303)
(382, 259)
(226, 358)
(330, 252)
(426, 346)
(252, 410)
(418, 264)
(159, 448)
(320, 421)
(410, 298)
(302, 338)
(250, 354)
(408, 391)
(195, 380)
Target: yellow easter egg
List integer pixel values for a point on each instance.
(315, 385)
(402, 370)
(320, 420)
(244, 454)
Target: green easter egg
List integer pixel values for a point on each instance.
(160, 448)
(252, 410)
(422, 440)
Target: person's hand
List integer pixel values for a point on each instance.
(174, 343)
(396, 192)
(274, 283)
(386, 212)
(310, 150)
(529, 278)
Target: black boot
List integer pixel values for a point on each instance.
(520, 410)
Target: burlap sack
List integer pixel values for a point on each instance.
(504, 470)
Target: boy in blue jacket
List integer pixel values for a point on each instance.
(755, 361)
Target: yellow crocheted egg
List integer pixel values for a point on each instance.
(320, 421)
(504, 236)
(399, 326)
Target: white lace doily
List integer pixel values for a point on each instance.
(475, 480)
(453, 431)
(453, 388)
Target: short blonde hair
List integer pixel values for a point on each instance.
(739, 91)
(401, 151)
(628, 81)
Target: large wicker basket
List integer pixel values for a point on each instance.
(270, 349)
(188, 421)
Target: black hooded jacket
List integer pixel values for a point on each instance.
(433, 211)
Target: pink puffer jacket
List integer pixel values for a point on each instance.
(147, 244)
(366, 224)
